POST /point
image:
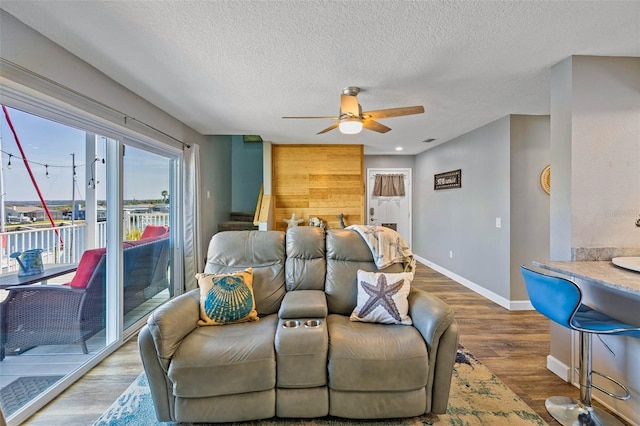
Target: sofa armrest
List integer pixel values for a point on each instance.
(430, 315)
(445, 361)
(159, 383)
(172, 322)
(436, 323)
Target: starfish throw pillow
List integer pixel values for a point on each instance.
(382, 298)
(227, 298)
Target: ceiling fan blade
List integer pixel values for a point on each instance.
(322, 117)
(349, 105)
(333, 126)
(375, 126)
(393, 112)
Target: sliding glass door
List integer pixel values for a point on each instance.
(88, 225)
(147, 211)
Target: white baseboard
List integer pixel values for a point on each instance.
(512, 305)
(521, 305)
(558, 368)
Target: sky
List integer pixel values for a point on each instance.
(48, 143)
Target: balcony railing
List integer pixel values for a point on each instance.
(68, 244)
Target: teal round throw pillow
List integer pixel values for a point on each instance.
(226, 298)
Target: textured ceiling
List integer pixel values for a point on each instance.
(236, 67)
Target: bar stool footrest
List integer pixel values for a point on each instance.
(622, 397)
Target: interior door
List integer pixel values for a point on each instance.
(390, 211)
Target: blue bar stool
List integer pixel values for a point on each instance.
(560, 300)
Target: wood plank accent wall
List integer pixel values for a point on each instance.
(317, 180)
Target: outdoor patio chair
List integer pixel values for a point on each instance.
(34, 315)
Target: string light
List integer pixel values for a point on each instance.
(35, 162)
(91, 184)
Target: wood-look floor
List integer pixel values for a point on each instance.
(512, 344)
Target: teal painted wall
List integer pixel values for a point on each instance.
(246, 174)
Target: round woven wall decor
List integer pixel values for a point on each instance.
(545, 179)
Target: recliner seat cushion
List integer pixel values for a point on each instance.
(225, 360)
(375, 357)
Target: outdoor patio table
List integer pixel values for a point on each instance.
(50, 271)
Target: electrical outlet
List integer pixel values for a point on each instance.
(498, 222)
(451, 254)
(208, 194)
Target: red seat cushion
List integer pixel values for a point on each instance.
(88, 263)
(154, 231)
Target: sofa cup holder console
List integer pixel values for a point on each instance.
(291, 324)
(312, 323)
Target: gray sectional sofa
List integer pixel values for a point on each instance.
(304, 358)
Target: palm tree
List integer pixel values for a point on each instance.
(165, 196)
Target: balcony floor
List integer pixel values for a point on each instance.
(60, 360)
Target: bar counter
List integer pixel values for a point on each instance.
(601, 272)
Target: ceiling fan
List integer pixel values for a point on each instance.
(352, 119)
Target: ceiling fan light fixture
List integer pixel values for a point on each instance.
(350, 125)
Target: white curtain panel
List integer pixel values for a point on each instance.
(192, 258)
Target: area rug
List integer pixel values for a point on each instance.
(22, 390)
(477, 398)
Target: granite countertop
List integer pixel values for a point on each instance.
(601, 272)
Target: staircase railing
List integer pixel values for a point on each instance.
(263, 210)
(256, 216)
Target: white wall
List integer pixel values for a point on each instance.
(605, 154)
(501, 164)
(560, 206)
(529, 203)
(595, 143)
(389, 161)
(462, 220)
(27, 48)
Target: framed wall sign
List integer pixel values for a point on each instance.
(452, 179)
